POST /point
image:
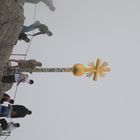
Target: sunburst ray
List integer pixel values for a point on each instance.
(98, 70)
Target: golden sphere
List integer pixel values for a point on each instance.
(78, 69)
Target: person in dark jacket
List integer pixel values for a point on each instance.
(6, 98)
(8, 126)
(3, 124)
(19, 111)
(23, 36)
(18, 78)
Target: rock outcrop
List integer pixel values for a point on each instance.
(11, 21)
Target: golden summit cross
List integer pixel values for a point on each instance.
(96, 70)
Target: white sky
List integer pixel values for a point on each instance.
(69, 108)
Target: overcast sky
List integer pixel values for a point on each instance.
(76, 108)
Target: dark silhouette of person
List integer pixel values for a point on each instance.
(19, 111)
(23, 36)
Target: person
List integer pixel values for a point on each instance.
(26, 64)
(23, 36)
(18, 78)
(7, 127)
(14, 111)
(3, 124)
(5, 111)
(48, 3)
(43, 29)
(19, 111)
(6, 98)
